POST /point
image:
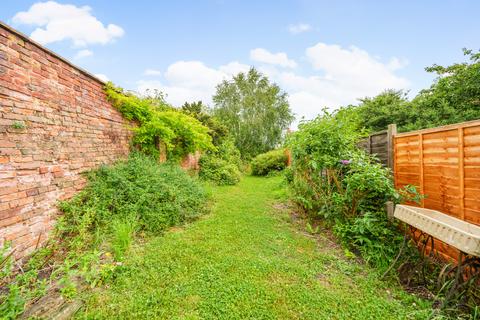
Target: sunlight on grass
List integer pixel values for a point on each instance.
(246, 261)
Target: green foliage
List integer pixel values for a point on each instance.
(157, 122)
(19, 125)
(154, 196)
(239, 262)
(376, 239)
(255, 111)
(332, 179)
(323, 142)
(122, 236)
(247, 261)
(199, 111)
(16, 290)
(272, 161)
(390, 106)
(219, 171)
(223, 166)
(453, 97)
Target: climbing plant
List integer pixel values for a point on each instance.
(157, 122)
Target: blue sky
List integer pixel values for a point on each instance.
(322, 53)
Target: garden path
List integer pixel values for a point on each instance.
(246, 260)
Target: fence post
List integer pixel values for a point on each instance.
(461, 171)
(391, 132)
(390, 207)
(369, 144)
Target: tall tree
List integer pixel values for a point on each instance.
(255, 111)
(453, 97)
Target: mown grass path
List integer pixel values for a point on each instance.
(245, 260)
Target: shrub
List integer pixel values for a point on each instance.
(376, 239)
(331, 178)
(221, 167)
(219, 171)
(265, 163)
(154, 196)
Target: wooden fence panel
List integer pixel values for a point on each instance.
(444, 164)
(380, 144)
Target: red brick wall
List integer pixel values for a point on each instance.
(191, 161)
(69, 128)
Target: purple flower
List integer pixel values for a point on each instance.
(345, 162)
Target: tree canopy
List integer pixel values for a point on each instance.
(255, 111)
(453, 97)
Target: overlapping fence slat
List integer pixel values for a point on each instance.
(444, 164)
(380, 144)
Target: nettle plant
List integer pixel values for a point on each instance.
(157, 122)
(332, 179)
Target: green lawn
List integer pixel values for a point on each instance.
(246, 260)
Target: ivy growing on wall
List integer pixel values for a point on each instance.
(157, 122)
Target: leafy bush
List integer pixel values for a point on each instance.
(160, 123)
(376, 239)
(219, 171)
(265, 163)
(221, 167)
(331, 178)
(153, 195)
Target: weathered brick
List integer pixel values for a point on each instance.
(32, 192)
(8, 190)
(7, 144)
(43, 170)
(8, 222)
(70, 128)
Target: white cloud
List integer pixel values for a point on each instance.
(234, 68)
(339, 76)
(102, 77)
(265, 56)
(342, 77)
(191, 81)
(353, 68)
(152, 72)
(83, 54)
(396, 63)
(299, 28)
(58, 22)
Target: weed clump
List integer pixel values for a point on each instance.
(138, 191)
